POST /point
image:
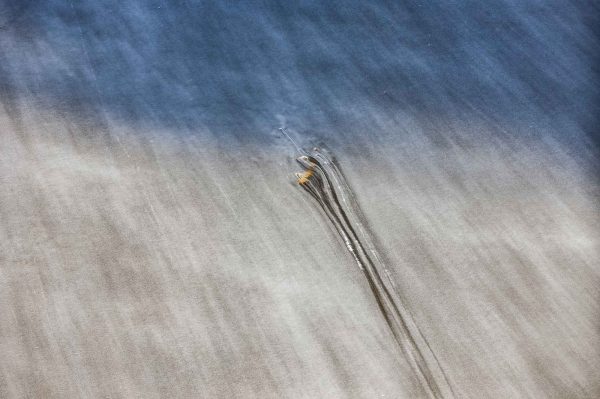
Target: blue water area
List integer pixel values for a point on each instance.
(328, 68)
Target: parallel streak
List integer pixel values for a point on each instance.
(324, 181)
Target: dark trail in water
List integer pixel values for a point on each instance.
(324, 181)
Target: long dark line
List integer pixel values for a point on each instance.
(323, 180)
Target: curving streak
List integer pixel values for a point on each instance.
(323, 180)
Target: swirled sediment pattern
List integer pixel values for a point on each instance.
(324, 181)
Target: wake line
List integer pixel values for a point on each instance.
(323, 180)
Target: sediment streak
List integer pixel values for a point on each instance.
(323, 180)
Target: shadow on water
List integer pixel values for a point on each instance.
(324, 66)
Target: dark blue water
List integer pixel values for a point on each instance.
(329, 69)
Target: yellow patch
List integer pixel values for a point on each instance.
(305, 176)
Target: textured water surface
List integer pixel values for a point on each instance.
(154, 241)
